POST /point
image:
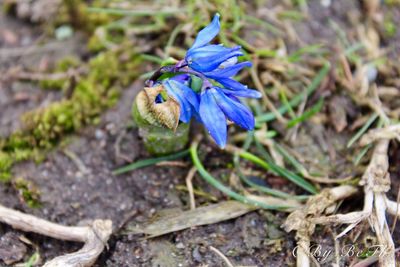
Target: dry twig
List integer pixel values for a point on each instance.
(301, 220)
(95, 236)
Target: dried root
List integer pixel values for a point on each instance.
(302, 221)
(376, 183)
(95, 236)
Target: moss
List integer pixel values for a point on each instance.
(389, 26)
(62, 67)
(96, 91)
(95, 44)
(6, 162)
(392, 2)
(76, 13)
(28, 192)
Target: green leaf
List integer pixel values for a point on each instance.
(149, 162)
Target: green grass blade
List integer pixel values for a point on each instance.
(221, 187)
(292, 160)
(270, 166)
(263, 189)
(315, 49)
(137, 13)
(149, 162)
(266, 25)
(298, 98)
(307, 114)
(360, 155)
(362, 130)
(291, 176)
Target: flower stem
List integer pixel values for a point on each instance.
(178, 68)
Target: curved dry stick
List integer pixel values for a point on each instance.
(376, 182)
(301, 219)
(95, 236)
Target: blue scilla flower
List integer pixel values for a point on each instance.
(204, 57)
(232, 87)
(215, 100)
(188, 100)
(216, 106)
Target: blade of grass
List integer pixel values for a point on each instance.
(266, 25)
(362, 130)
(263, 189)
(299, 97)
(144, 12)
(152, 58)
(171, 40)
(269, 191)
(263, 52)
(220, 186)
(286, 155)
(353, 48)
(315, 49)
(293, 177)
(307, 114)
(291, 14)
(149, 162)
(362, 153)
(285, 102)
(271, 166)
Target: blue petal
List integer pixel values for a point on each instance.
(227, 63)
(182, 78)
(188, 93)
(208, 33)
(213, 118)
(207, 64)
(159, 99)
(228, 71)
(236, 88)
(233, 110)
(205, 51)
(185, 108)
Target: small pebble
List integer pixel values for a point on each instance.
(180, 245)
(99, 134)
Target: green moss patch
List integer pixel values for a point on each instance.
(108, 73)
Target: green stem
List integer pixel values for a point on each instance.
(226, 190)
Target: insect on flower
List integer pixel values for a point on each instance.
(216, 100)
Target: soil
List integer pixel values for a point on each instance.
(76, 183)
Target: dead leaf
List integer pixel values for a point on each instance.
(201, 216)
(165, 114)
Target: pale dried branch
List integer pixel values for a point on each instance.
(189, 186)
(389, 132)
(301, 219)
(222, 256)
(95, 236)
(376, 182)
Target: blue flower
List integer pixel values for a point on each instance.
(188, 100)
(215, 99)
(233, 87)
(203, 56)
(216, 107)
